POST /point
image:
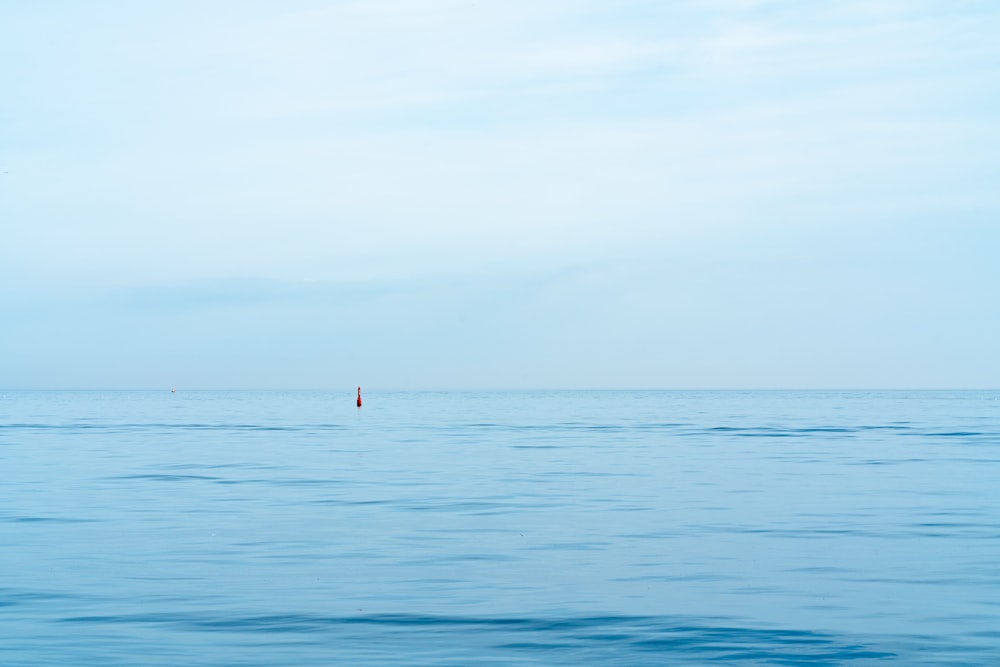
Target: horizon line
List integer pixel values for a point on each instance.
(175, 389)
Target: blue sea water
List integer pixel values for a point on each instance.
(500, 528)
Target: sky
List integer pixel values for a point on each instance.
(444, 194)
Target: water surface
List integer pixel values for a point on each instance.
(507, 528)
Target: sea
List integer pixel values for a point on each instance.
(499, 528)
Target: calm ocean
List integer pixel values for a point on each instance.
(500, 528)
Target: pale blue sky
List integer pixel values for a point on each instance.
(444, 194)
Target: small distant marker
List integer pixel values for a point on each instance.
(173, 390)
(359, 397)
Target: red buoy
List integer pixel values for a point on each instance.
(359, 397)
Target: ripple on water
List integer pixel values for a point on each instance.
(631, 640)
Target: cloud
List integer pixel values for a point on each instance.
(491, 145)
